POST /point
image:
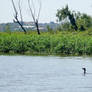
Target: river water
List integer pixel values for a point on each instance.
(45, 74)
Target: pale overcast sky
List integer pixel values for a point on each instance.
(48, 11)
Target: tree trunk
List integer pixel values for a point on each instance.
(37, 27)
(21, 26)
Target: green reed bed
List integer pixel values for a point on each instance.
(61, 43)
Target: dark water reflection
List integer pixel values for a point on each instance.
(45, 74)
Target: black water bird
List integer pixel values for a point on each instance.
(84, 69)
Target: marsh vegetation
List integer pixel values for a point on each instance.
(69, 43)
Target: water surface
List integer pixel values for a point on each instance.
(45, 74)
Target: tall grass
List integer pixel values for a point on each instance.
(75, 43)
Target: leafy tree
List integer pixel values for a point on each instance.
(84, 22)
(66, 13)
(77, 20)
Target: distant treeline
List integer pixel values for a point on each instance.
(29, 26)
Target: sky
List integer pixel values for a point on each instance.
(48, 10)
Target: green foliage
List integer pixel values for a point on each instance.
(62, 13)
(77, 20)
(75, 43)
(65, 13)
(84, 22)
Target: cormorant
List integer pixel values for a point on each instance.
(84, 70)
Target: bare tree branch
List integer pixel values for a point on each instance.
(14, 7)
(16, 20)
(39, 9)
(16, 13)
(31, 10)
(33, 14)
(33, 7)
(20, 11)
